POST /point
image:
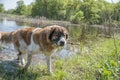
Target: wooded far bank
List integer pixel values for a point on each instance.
(76, 11)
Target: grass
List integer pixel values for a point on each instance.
(98, 60)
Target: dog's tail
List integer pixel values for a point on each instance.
(6, 37)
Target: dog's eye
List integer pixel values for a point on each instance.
(56, 35)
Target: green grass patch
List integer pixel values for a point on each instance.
(98, 60)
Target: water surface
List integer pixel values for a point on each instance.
(8, 26)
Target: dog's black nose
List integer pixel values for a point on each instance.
(62, 43)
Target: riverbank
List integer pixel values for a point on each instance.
(35, 22)
(43, 21)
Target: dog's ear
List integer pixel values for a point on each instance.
(52, 30)
(49, 31)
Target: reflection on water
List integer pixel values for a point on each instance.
(8, 26)
(77, 34)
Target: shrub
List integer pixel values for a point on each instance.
(77, 17)
(108, 70)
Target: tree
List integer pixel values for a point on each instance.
(10, 11)
(91, 11)
(78, 17)
(40, 8)
(29, 8)
(116, 15)
(52, 9)
(73, 6)
(21, 8)
(88, 11)
(2, 8)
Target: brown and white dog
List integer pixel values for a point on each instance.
(33, 40)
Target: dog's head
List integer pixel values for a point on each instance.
(58, 35)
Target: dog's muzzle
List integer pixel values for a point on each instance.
(61, 41)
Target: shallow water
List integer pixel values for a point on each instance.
(9, 26)
(76, 34)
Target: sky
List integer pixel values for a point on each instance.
(11, 4)
(114, 1)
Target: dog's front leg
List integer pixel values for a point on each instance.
(29, 57)
(49, 67)
(21, 61)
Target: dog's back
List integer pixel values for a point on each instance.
(9, 37)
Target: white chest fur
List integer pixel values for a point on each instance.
(33, 47)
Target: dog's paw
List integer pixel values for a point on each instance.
(19, 64)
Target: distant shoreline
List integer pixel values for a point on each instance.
(43, 21)
(38, 21)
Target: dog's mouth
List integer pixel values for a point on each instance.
(59, 43)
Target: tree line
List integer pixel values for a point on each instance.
(76, 11)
